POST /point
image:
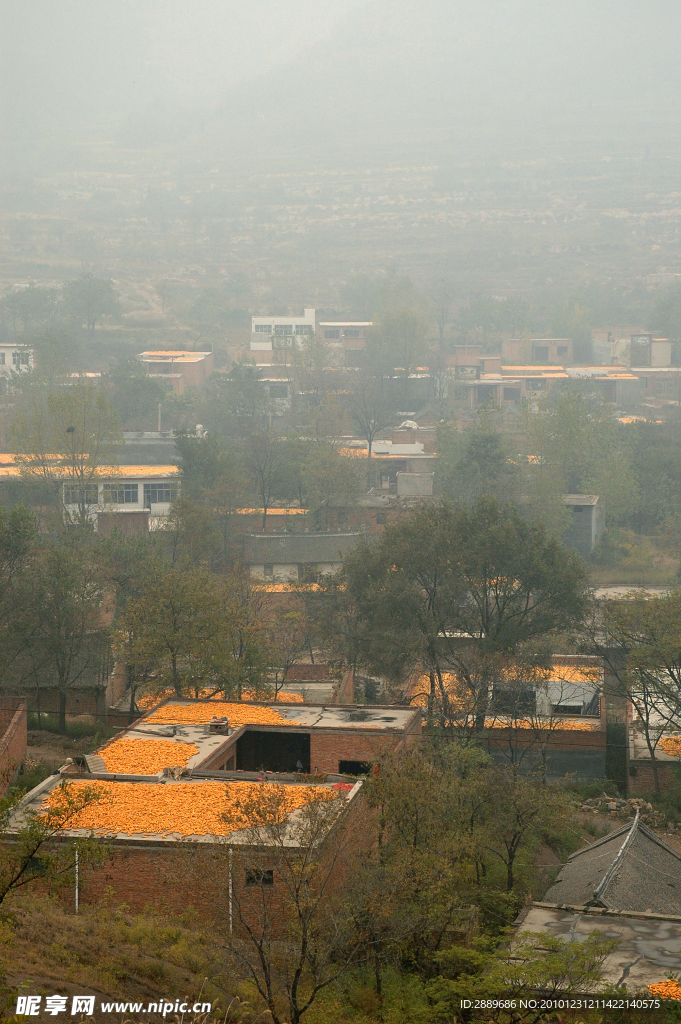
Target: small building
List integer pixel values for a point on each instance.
(629, 869)
(547, 351)
(272, 336)
(181, 369)
(627, 886)
(344, 340)
(297, 556)
(15, 358)
(588, 522)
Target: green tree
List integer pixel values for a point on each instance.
(194, 628)
(89, 299)
(60, 624)
(462, 590)
(134, 394)
(398, 341)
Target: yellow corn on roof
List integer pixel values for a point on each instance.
(563, 724)
(150, 700)
(671, 745)
(201, 714)
(146, 757)
(183, 808)
(669, 989)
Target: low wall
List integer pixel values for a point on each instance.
(641, 776)
(12, 740)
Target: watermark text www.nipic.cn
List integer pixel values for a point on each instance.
(30, 1006)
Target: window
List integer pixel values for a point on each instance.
(2, 358)
(278, 390)
(561, 350)
(263, 328)
(351, 332)
(541, 353)
(644, 382)
(511, 394)
(258, 876)
(566, 709)
(331, 334)
(76, 494)
(120, 494)
(304, 329)
(155, 494)
(269, 568)
(283, 330)
(20, 358)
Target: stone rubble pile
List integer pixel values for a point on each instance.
(617, 807)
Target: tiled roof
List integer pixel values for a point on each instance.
(631, 869)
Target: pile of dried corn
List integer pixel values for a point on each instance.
(146, 757)
(183, 808)
(200, 714)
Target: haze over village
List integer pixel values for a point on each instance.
(340, 511)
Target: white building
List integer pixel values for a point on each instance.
(125, 489)
(269, 333)
(15, 358)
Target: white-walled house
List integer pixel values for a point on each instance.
(15, 358)
(269, 333)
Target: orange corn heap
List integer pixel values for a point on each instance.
(146, 757)
(201, 714)
(669, 989)
(183, 808)
(149, 700)
(671, 745)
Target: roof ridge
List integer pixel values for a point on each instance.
(599, 842)
(600, 889)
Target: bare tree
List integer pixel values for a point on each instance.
(372, 408)
(290, 934)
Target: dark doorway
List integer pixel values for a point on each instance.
(273, 752)
(355, 767)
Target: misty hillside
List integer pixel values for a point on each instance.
(494, 76)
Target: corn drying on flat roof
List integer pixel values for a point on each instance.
(177, 713)
(147, 701)
(146, 757)
(175, 809)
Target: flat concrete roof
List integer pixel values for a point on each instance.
(649, 946)
(364, 717)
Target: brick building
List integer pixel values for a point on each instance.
(12, 739)
(172, 789)
(180, 369)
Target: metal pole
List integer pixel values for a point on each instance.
(76, 879)
(231, 923)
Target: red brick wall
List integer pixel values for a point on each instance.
(641, 777)
(175, 877)
(12, 741)
(558, 739)
(328, 748)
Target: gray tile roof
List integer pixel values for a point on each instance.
(298, 548)
(629, 869)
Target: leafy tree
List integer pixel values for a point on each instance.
(476, 462)
(462, 589)
(640, 641)
(329, 481)
(67, 436)
(56, 353)
(60, 623)
(134, 394)
(18, 536)
(31, 306)
(31, 855)
(194, 630)
(399, 341)
(90, 298)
